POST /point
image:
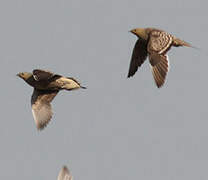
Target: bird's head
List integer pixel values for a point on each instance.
(140, 32)
(24, 75)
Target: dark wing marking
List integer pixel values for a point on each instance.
(139, 55)
(42, 75)
(41, 107)
(64, 174)
(160, 70)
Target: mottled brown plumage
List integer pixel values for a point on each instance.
(46, 86)
(154, 43)
(64, 174)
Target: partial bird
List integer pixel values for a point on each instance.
(64, 174)
(155, 44)
(46, 86)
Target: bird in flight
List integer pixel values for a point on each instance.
(155, 44)
(46, 86)
(64, 174)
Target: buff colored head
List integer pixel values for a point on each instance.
(24, 75)
(140, 32)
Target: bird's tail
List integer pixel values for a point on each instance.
(178, 42)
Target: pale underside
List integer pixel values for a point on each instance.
(41, 107)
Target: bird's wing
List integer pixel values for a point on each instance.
(138, 56)
(160, 70)
(64, 174)
(159, 42)
(41, 107)
(42, 75)
(74, 80)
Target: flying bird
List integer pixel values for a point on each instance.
(155, 44)
(46, 86)
(64, 174)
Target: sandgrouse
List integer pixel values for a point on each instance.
(64, 174)
(46, 86)
(154, 43)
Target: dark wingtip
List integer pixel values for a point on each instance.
(83, 87)
(130, 75)
(159, 86)
(65, 167)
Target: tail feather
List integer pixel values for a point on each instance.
(177, 42)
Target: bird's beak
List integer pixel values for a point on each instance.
(18, 74)
(133, 31)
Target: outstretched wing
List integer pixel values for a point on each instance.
(160, 70)
(42, 75)
(64, 174)
(158, 45)
(41, 107)
(139, 55)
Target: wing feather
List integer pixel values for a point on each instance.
(139, 55)
(64, 174)
(160, 71)
(42, 75)
(41, 107)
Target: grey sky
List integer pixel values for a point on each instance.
(118, 128)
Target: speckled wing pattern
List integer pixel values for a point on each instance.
(139, 55)
(42, 75)
(159, 43)
(64, 174)
(41, 107)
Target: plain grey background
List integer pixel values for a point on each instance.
(118, 128)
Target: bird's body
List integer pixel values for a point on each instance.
(55, 82)
(155, 44)
(46, 86)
